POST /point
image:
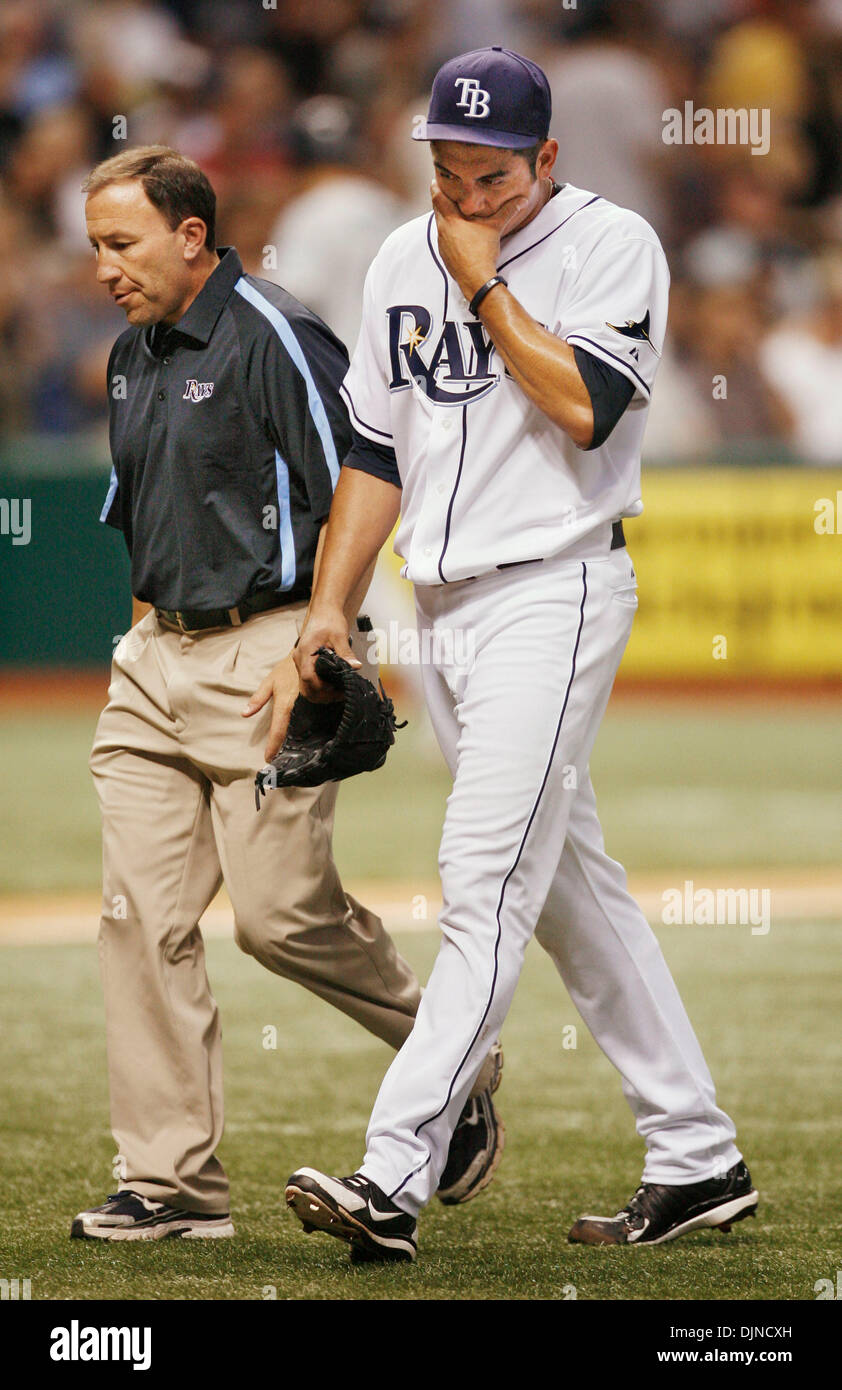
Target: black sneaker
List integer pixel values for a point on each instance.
(658, 1212)
(129, 1216)
(475, 1151)
(355, 1210)
(476, 1145)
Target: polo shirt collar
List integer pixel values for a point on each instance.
(199, 321)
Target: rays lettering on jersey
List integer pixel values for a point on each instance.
(458, 367)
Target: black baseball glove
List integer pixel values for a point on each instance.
(326, 742)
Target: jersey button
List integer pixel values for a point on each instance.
(162, 395)
(166, 361)
(447, 423)
(441, 488)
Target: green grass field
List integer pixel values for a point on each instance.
(677, 788)
(766, 1009)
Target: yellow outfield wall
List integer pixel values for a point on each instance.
(739, 572)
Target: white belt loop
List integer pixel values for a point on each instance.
(234, 615)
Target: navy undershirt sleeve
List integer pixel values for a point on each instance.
(377, 459)
(610, 392)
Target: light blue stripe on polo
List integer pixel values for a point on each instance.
(112, 489)
(285, 536)
(293, 347)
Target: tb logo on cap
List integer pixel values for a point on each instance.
(475, 100)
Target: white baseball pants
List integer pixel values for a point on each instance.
(521, 853)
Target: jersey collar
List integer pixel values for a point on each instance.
(199, 321)
(560, 208)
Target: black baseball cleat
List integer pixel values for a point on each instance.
(476, 1145)
(658, 1212)
(475, 1151)
(355, 1210)
(130, 1216)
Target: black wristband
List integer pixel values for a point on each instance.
(483, 291)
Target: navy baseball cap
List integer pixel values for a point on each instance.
(490, 96)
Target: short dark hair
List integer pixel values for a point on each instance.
(531, 155)
(173, 184)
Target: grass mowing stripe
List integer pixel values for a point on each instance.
(675, 785)
(765, 1009)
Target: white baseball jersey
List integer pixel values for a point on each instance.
(487, 478)
(488, 481)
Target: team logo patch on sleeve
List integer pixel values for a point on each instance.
(197, 390)
(630, 329)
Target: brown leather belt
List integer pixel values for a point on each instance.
(199, 619)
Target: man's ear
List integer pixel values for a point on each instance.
(195, 235)
(546, 159)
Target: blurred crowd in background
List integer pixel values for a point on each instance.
(300, 112)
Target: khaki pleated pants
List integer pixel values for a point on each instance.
(173, 763)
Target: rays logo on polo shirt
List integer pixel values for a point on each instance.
(455, 370)
(197, 390)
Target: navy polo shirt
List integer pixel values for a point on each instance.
(227, 431)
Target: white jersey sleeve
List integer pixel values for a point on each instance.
(365, 389)
(616, 306)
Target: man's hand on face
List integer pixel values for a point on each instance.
(470, 247)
